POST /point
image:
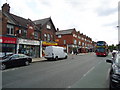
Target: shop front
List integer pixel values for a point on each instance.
(45, 43)
(29, 47)
(8, 45)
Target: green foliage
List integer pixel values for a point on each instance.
(114, 47)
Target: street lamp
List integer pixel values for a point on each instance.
(118, 38)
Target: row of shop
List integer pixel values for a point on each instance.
(33, 48)
(12, 45)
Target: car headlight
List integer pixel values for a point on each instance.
(115, 76)
(116, 70)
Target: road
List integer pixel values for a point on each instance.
(78, 71)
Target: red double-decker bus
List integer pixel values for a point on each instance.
(102, 48)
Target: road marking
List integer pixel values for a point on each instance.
(107, 77)
(88, 72)
(91, 69)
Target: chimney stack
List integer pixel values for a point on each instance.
(6, 8)
(57, 29)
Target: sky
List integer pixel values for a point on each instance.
(97, 19)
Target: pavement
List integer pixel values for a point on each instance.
(42, 58)
(38, 59)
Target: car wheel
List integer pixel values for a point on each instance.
(27, 63)
(2, 67)
(65, 57)
(56, 58)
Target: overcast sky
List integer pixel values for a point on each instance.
(95, 18)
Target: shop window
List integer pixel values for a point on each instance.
(10, 29)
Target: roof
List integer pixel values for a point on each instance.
(42, 21)
(62, 32)
(19, 20)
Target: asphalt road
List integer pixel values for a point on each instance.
(78, 71)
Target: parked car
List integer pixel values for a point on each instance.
(114, 75)
(14, 60)
(55, 52)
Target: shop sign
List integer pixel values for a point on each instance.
(8, 40)
(49, 43)
(100, 46)
(28, 42)
(57, 40)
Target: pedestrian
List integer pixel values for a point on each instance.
(72, 54)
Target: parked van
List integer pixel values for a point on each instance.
(55, 52)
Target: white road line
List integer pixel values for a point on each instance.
(88, 72)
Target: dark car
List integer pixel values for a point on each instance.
(114, 72)
(14, 60)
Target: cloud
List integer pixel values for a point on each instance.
(103, 11)
(107, 7)
(115, 24)
(95, 18)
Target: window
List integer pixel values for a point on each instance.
(79, 37)
(10, 29)
(48, 37)
(45, 37)
(24, 33)
(64, 41)
(59, 36)
(75, 41)
(79, 43)
(15, 56)
(48, 27)
(82, 44)
(51, 36)
(36, 35)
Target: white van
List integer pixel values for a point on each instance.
(55, 52)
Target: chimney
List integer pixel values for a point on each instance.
(6, 8)
(57, 29)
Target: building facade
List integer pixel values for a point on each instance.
(19, 35)
(73, 41)
(48, 31)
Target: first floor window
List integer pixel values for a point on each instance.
(24, 33)
(75, 41)
(59, 36)
(64, 42)
(10, 29)
(48, 37)
(36, 35)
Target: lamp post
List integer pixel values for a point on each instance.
(118, 37)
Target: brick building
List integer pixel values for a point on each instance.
(73, 40)
(68, 39)
(48, 31)
(19, 35)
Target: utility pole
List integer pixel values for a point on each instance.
(118, 26)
